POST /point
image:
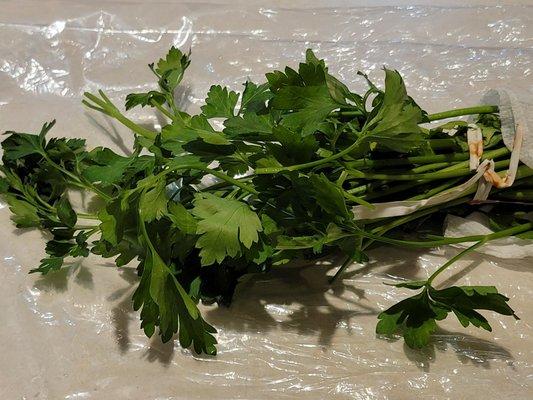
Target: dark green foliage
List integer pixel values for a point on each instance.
(197, 208)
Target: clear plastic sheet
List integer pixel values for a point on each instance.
(73, 334)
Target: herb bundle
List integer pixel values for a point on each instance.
(296, 154)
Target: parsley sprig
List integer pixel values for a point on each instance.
(197, 208)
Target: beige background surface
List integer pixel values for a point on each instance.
(73, 335)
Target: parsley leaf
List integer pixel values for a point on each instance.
(144, 99)
(395, 124)
(254, 98)
(24, 214)
(416, 316)
(224, 226)
(153, 202)
(220, 102)
(171, 69)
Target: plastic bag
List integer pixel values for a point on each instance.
(288, 334)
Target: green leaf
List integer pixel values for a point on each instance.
(270, 227)
(292, 147)
(19, 145)
(65, 212)
(351, 246)
(254, 98)
(340, 93)
(49, 264)
(234, 164)
(108, 167)
(182, 219)
(387, 324)
(166, 304)
(24, 213)
(153, 202)
(278, 79)
(463, 298)
(397, 114)
(328, 195)
(310, 104)
(59, 248)
(180, 133)
(418, 336)
(416, 316)
(225, 224)
(220, 102)
(188, 161)
(171, 69)
(248, 126)
(267, 162)
(4, 185)
(109, 225)
(144, 99)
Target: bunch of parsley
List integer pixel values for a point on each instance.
(296, 153)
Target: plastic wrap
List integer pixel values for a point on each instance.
(73, 334)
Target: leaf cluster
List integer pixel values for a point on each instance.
(196, 207)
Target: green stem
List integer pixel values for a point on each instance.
(435, 190)
(448, 240)
(458, 112)
(231, 180)
(87, 216)
(354, 113)
(489, 155)
(297, 167)
(356, 199)
(369, 163)
(76, 180)
(107, 107)
(426, 176)
(429, 167)
(344, 265)
(84, 227)
(455, 258)
(521, 195)
(163, 110)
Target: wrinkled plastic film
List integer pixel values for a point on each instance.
(288, 334)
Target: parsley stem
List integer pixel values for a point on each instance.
(84, 227)
(450, 240)
(87, 216)
(369, 163)
(346, 263)
(45, 204)
(231, 180)
(424, 176)
(107, 107)
(76, 181)
(429, 167)
(489, 155)
(458, 112)
(356, 199)
(351, 113)
(297, 167)
(454, 259)
(163, 110)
